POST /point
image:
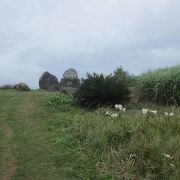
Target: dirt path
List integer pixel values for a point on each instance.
(7, 131)
(8, 162)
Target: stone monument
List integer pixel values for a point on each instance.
(49, 82)
(70, 79)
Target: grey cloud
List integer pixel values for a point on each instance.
(38, 35)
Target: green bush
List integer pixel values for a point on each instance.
(60, 101)
(99, 90)
(7, 86)
(161, 86)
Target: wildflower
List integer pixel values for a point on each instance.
(144, 111)
(124, 109)
(120, 107)
(114, 115)
(168, 114)
(171, 114)
(154, 112)
(107, 113)
(167, 156)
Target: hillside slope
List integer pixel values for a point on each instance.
(37, 142)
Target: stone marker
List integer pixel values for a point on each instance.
(22, 87)
(70, 79)
(48, 81)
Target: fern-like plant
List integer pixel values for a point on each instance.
(99, 90)
(124, 76)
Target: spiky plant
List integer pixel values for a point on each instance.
(125, 76)
(99, 90)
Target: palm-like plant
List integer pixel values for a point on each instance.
(100, 90)
(124, 76)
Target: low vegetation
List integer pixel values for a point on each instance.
(54, 138)
(135, 144)
(7, 86)
(60, 101)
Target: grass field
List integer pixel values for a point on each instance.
(37, 142)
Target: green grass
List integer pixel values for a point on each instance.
(30, 143)
(49, 143)
(160, 86)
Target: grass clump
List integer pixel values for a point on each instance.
(7, 86)
(132, 146)
(161, 86)
(99, 90)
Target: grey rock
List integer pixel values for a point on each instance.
(73, 83)
(54, 88)
(22, 87)
(70, 74)
(47, 80)
(70, 79)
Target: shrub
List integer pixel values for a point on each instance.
(7, 86)
(60, 101)
(161, 86)
(101, 90)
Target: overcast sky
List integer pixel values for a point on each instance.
(88, 35)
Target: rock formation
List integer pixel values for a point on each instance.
(22, 87)
(48, 81)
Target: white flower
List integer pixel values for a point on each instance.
(144, 111)
(107, 113)
(114, 115)
(171, 114)
(120, 107)
(154, 112)
(124, 109)
(168, 114)
(167, 156)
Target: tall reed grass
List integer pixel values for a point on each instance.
(161, 86)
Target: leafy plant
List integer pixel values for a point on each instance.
(99, 90)
(60, 101)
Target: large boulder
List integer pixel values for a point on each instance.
(47, 80)
(22, 87)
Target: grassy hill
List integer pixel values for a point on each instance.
(41, 142)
